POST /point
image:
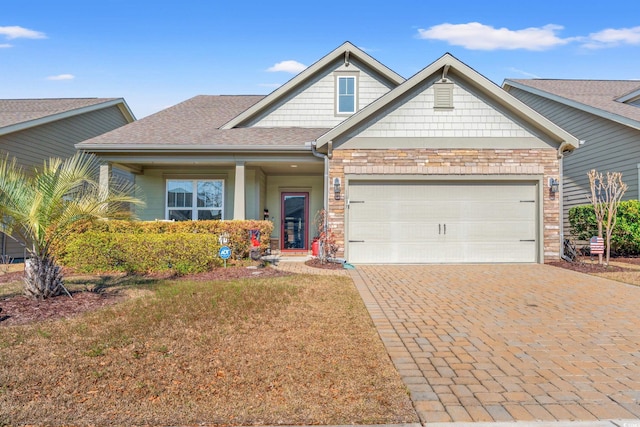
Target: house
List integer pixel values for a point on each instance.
(442, 167)
(604, 115)
(34, 130)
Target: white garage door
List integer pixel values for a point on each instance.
(442, 222)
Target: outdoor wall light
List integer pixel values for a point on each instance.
(553, 185)
(336, 188)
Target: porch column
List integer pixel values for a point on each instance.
(104, 178)
(238, 199)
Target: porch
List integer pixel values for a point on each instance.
(285, 189)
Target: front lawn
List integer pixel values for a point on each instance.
(297, 349)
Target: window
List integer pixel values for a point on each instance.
(346, 94)
(206, 202)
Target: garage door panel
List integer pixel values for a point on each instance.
(387, 231)
(416, 253)
(427, 222)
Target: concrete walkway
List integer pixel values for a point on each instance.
(297, 265)
(507, 343)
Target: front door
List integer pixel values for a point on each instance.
(295, 230)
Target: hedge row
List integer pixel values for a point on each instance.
(184, 253)
(141, 247)
(625, 239)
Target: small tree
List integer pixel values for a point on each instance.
(38, 209)
(605, 197)
(326, 239)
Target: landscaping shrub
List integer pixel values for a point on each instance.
(140, 247)
(625, 239)
(183, 253)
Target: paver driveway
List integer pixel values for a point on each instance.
(508, 342)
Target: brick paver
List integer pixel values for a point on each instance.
(508, 342)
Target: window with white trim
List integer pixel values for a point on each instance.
(195, 199)
(346, 94)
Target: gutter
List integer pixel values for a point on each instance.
(106, 148)
(325, 187)
(561, 151)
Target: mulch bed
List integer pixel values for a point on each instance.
(20, 310)
(315, 262)
(586, 265)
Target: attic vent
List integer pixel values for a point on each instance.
(443, 96)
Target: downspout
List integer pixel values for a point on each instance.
(325, 187)
(561, 150)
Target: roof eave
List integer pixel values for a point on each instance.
(119, 102)
(635, 124)
(111, 148)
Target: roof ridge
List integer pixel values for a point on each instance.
(56, 99)
(578, 80)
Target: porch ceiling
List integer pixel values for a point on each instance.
(270, 165)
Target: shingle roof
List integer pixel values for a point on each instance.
(600, 94)
(196, 122)
(16, 111)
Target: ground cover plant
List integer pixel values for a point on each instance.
(294, 349)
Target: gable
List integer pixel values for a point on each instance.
(480, 110)
(417, 122)
(346, 55)
(313, 104)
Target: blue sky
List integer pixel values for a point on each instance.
(158, 53)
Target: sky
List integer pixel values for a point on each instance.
(155, 54)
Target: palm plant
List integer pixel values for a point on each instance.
(38, 209)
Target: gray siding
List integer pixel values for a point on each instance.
(31, 147)
(609, 147)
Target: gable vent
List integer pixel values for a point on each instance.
(443, 95)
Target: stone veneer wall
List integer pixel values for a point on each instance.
(468, 162)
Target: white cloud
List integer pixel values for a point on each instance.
(5, 45)
(611, 37)
(15, 32)
(524, 73)
(477, 36)
(62, 77)
(293, 67)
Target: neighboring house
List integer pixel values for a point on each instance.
(442, 167)
(604, 115)
(34, 130)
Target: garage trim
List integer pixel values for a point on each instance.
(534, 179)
